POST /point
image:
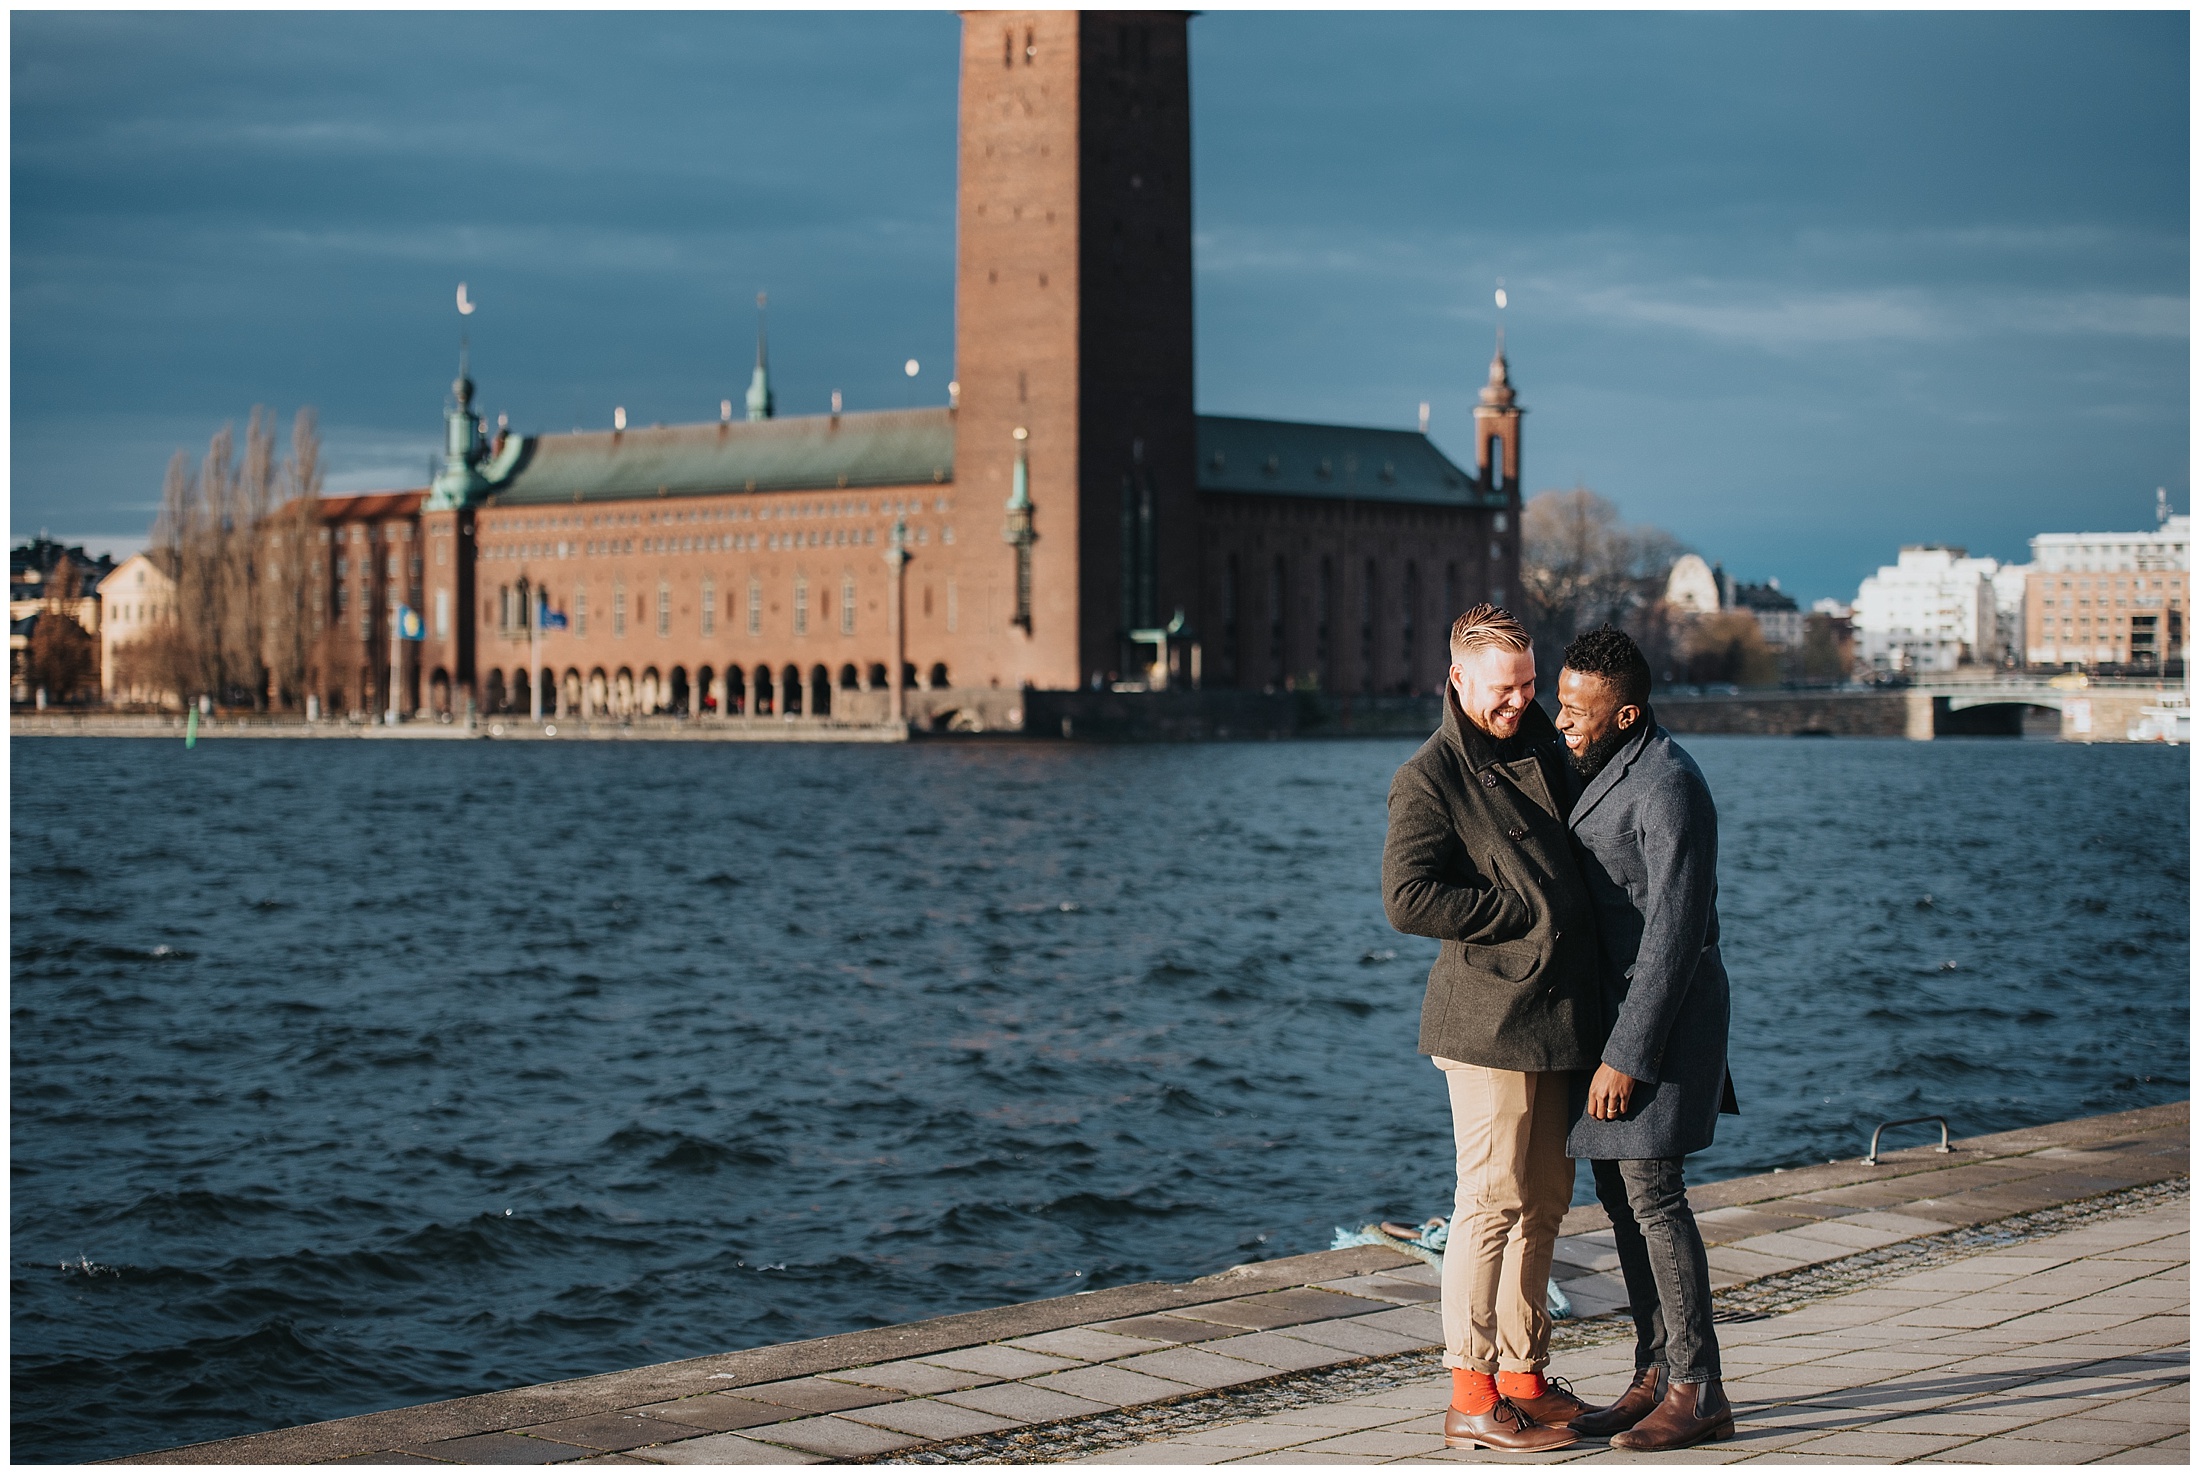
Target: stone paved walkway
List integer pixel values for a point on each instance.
(1137, 1368)
(2071, 1349)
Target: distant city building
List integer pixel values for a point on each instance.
(2110, 600)
(1932, 609)
(137, 601)
(1693, 587)
(2009, 583)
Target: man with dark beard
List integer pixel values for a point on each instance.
(1648, 836)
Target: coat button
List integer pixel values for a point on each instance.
(1517, 832)
(1489, 780)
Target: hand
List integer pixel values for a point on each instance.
(1609, 1092)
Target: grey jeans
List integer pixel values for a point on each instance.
(1661, 1255)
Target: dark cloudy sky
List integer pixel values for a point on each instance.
(1798, 288)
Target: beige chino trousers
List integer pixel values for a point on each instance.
(1515, 1182)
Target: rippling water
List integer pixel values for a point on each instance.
(350, 1075)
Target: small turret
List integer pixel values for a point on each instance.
(460, 481)
(1499, 390)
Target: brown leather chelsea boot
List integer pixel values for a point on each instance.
(1503, 1427)
(1691, 1413)
(1633, 1406)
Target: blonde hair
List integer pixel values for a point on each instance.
(1484, 626)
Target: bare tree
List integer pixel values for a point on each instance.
(236, 534)
(289, 591)
(1582, 567)
(63, 659)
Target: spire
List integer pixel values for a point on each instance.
(1499, 390)
(460, 481)
(462, 388)
(760, 384)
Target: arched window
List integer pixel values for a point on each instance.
(821, 692)
(938, 680)
(1497, 463)
(849, 679)
(790, 692)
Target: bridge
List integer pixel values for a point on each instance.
(2093, 710)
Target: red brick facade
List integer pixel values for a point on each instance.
(743, 568)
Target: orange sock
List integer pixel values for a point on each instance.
(1521, 1385)
(1471, 1392)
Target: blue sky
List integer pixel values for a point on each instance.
(1799, 288)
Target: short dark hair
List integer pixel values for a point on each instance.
(1612, 656)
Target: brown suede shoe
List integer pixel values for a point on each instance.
(1642, 1395)
(1503, 1427)
(1691, 1413)
(1556, 1408)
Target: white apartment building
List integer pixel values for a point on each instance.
(1932, 609)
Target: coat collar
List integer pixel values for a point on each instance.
(1608, 777)
(1539, 769)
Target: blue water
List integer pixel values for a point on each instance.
(351, 1075)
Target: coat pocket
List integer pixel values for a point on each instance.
(1511, 961)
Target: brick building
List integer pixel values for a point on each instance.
(1068, 519)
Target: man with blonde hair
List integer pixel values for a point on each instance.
(1478, 856)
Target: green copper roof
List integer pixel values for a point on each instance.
(1291, 458)
(883, 448)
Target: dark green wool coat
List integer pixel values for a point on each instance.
(1478, 857)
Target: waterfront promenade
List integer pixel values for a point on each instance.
(2021, 1300)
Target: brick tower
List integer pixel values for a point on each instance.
(1497, 467)
(1073, 322)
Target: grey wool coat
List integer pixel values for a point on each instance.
(1649, 839)
(1477, 856)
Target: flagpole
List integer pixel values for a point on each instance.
(397, 661)
(534, 658)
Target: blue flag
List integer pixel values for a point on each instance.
(409, 626)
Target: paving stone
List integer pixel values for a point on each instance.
(1280, 1308)
(1384, 1288)
(1283, 1351)
(717, 1412)
(841, 1438)
(1174, 1330)
(1115, 1386)
(610, 1432)
(502, 1449)
(1000, 1361)
(1408, 1321)
(1378, 1442)
(816, 1395)
(1160, 1454)
(1196, 1368)
(383, 1457)
(1596, 1295)
(1879, 1444)
(929, 1419)
(1083, 1344)
(1357, 1338)
(1336, 1416)
(913, 1377)
(1024, 1403)
(1307, 1457)
(1250, 1437)
(727, 1449)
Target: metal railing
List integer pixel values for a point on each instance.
(1871, 1155)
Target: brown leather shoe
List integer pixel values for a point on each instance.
(1503, 1427)
(1556, 1408)
(1691, 1413)
(1642, 1395)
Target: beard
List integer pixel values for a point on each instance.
(1589, 759)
